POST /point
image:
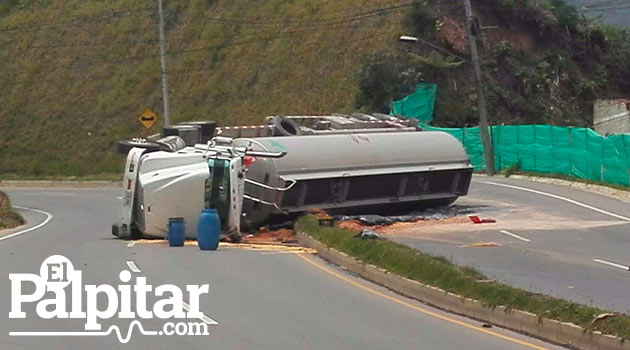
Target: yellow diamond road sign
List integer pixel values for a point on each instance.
(147, 118)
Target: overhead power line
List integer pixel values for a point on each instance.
(129, 60)
(355, 16)
(91, 44)
(593, 4)
(105, 15)
(604, 9)
(261, 37)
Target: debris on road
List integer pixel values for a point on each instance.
(284, 248)
(477, 220)
(366, 233)
(281, 236)
(429, 214)
(402, 224)
(275, 227)
(602, 316)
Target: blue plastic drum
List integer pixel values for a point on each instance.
(176, 232)
(208, 230)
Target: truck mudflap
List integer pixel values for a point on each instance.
(123, 227)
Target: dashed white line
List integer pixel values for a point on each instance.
(515, 236)
(48, 218)
(609, 263)
(204, 318)
(133, 267)
(602, 211)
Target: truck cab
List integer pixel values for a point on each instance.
(162, 185)
(180, 182)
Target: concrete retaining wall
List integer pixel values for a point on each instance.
(524, 322)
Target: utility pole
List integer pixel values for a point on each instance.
(167, 112)
(486, 140)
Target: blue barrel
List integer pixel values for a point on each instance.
(208, 230)
(176, 232)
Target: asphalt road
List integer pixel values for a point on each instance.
(556, 240)
(265, 300)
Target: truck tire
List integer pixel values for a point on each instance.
(285, 127)
(125, 146)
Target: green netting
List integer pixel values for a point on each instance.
(419, 105)
(579, 152)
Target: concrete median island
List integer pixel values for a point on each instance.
(462, 290)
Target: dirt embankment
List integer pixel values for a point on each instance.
(8, 217)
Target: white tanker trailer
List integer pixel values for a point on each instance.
(364, 173)
(255, 181)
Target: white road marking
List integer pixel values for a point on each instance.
(131, 244)
(612, 264)
(204, 318)
(515, 236)
(601, 211)
(48, 218)
(133, 267)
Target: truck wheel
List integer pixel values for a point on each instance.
(285, 127)
(125, 146)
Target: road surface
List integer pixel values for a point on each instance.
(551, 239)
(264, 300)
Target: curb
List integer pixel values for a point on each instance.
(59, 184)
(566, 334)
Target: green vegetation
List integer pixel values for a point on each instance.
(8, 217)
(439, 272)
(511, 170)
(544, 63)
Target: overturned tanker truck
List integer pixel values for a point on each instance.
(342, 164)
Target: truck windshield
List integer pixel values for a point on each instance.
(217, 192)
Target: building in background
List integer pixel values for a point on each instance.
(611, 116)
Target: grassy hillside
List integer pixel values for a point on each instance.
(75, 74)
(72, 85)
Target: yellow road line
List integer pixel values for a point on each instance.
(420, 309)
(278, 248)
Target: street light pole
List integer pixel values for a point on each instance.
(486, 140)
(167, 114)
(481, 97)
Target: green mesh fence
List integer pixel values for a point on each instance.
(579, 152)
(418, 105)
